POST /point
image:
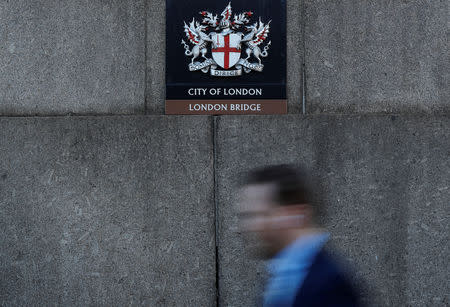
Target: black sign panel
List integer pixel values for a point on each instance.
(225, 57)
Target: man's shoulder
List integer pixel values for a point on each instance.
(325, 272)
(327, 284)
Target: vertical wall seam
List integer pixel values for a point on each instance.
(145, 57)
(216, 222)
(303, 23)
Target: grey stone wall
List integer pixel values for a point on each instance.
(108, 57)
(82, 57)
(130, 210)
(99, 58)
(107, 211)
(377, 56)
(386, 189)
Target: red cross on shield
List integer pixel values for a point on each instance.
(226, 52)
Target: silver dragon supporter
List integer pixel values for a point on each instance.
(225, 41)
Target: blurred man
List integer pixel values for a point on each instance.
(277, 206)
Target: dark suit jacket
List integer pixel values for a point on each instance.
(326, 285)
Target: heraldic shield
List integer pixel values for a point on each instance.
(226, 49)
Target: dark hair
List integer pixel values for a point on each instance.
(293, 184)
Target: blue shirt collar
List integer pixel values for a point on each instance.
(299, 254)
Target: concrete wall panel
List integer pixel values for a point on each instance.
(295, 55)
(84, 57)
(428, 229)
(156, 56)
(377, 56)
(106, 211)
(370, 168)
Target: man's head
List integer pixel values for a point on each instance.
(276, 205)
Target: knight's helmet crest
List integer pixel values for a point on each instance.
(226, 16)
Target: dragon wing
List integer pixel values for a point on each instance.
(248, 37)
(261, 34)
(191, 34)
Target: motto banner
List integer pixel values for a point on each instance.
(226, 57)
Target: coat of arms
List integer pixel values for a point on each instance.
(222, 41)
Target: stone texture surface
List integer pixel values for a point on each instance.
(386, 185)
(295, 55)
(156, 57)
(106, 211)
(84, 57)
(377, 56)
(428, 248)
